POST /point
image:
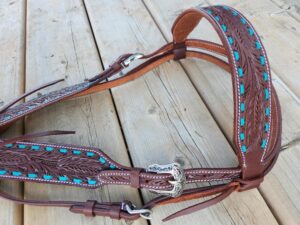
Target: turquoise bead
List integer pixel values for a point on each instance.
(242, 136)
(76, 152)
(242, 107)
(224, 27)
(242, 88)
(32, 175)
(3, 172)
(265, 75)
(242, 122)
(90, 154)
(217, 18)
(35, 147)
(230, 40)
(236, 55)
(257, 45)
(92, 182)
(47, 177)
(266, 127)
(16, 173)
(49, 149)
(77, 181)
(250, 31)
(226, 7)
(102, 160)
(244, 148)
(111, 166)
(263, 143)
(234, 13)
(240, 72)
(21, 146)
(9, 145)
(63, 150)
(262, 60)
(267, 111)
(243, 21)
(266, 94)
(63, 178)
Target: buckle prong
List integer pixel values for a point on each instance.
(176, 171)
(131, 209)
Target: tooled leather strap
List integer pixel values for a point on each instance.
(257, 119)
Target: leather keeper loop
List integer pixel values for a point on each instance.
(114, 212)
(135, 177)
(179, 50)
(249, 184)
(89, 208)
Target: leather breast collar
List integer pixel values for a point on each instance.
(257, 126)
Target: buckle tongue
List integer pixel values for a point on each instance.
(131, 209)
(176, 171)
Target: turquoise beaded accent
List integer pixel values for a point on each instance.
(32, 175)
(244, 148)
(242, 136)
(266, 127)
(49, 149)
(209, 11)
(266, 94)
(102, 160)
(63, 178)
(236, 55)
(3, 172)
(9, 145)
(250, 31)
(224, 27)
(21, 146)
(265, 75)
(76, 152)
(242, 107)
(92, 182)
(243, 21)
(47, 177)
(7, 118)
(242, 88)
(234, 13)
(35, 147)
(257, 45)
(226, 7)
(263, 143)
(230, 40)
(262, 60)
(111, 166)
(240, 71)
(77, 181)
(267, 111)
(242, 122)
(90, 154)
(63, 150)
(16, 173)
(217, 18)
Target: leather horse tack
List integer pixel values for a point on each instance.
(257, 126)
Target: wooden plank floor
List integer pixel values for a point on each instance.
(180, 110)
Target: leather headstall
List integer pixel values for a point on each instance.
(257, 126)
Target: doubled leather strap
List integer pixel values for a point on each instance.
(257, 126)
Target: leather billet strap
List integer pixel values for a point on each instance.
(257, 125)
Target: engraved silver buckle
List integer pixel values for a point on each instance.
(131, 58)
(176, 171)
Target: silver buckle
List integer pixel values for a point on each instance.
(176, 171)
(131, 58)
(131, 209)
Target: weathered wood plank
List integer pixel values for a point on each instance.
(12, 20)
(162, 115)
(60, 45)
(211, 83)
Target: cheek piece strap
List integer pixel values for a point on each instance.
(257, 126)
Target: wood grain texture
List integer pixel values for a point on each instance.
(163, 117)
(60, 45)
(282, 185)
(12, 16)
